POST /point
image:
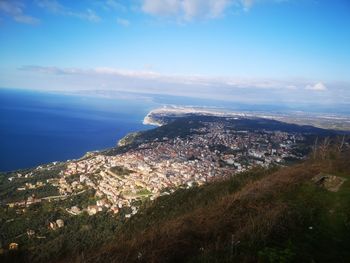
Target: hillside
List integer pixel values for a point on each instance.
(164, 115)
(275, 215)
(197, 189)
(183, 126)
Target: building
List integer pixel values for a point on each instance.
(114, 209)
(13, 246)
(59, 223)
(30, 232)
(93, 209)
(53, 225)
(74, 210)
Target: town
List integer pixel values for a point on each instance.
(162, 165)
(116, 182)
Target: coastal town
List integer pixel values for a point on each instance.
(184, 152)
(164, 131)
(162, 165)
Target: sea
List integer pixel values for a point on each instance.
(40, 127)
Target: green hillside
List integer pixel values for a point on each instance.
(278, 215)
(299, 213)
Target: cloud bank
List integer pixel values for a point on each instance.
(316, 87)
(112, 80)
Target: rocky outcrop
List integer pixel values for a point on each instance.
(330, 182)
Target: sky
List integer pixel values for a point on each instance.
(256, 51)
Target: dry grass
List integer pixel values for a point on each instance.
(247, 216)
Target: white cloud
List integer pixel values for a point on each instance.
(95, 71)
(51, 5)
(208, 9)
(112, 81)
(187, 10)
(15, 9)
(114, 4)
(89, 15)
(123, 22)
(56, 7)
(194, 80)
(26, 19)
(161, 7)
(316, 87)
(247, 4)
(125, 73)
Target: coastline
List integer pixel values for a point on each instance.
(324, 121)
(154, 118)
(148, 120)
(31, 122)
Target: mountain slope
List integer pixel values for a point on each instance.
(262, 215)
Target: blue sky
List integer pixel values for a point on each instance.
(239, 50)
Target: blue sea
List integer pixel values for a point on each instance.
(38, 127)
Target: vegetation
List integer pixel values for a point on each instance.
(8, 190)
(277, 215)
(185, 126)
(80, 233)
(263, 215)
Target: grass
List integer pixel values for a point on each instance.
(144, 191)
(275, 215)
(260, 216)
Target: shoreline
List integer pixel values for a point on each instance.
(323, 121)
(148, 120)
(151, 120)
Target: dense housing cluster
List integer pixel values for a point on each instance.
(182, 153)
(161, 165)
